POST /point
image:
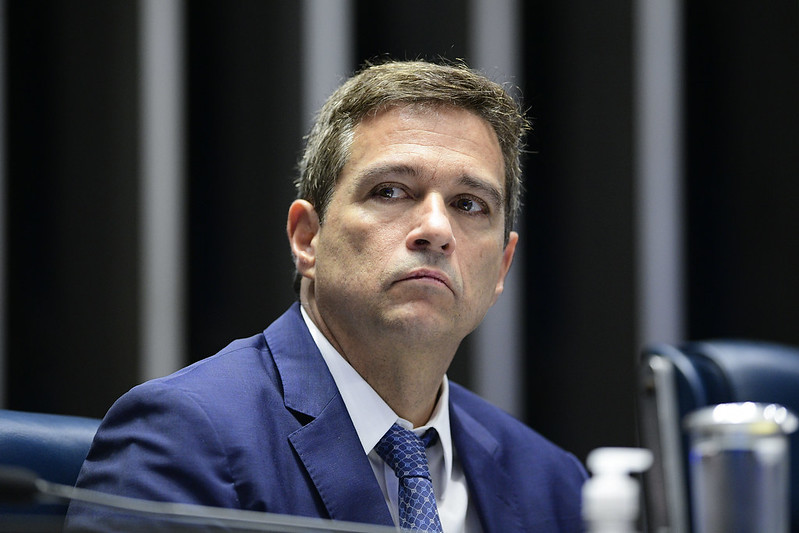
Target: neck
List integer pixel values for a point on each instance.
(404, 371)
(410, 393)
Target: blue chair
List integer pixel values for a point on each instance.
(677, 379)
(52, 446)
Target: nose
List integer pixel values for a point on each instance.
(433, 230)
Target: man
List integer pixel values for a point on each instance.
(402, 239)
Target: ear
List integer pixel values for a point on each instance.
(507, 259)
(302, 228)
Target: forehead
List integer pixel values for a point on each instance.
(438, 139)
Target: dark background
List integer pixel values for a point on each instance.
(72, 214)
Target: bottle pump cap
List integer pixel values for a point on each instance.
(611, 495)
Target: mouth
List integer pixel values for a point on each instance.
(425, 275)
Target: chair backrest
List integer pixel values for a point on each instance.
(53, 446)
(676, 380)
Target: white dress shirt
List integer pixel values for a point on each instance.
(372, 418)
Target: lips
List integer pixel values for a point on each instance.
(425, 274)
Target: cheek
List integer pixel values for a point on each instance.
(486, 272)
(355, 249)
(362, 242)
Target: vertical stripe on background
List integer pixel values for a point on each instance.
(658, 169)
(327, 54)
(162, 194)
(495, 47)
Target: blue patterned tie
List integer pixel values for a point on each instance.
(404, 452)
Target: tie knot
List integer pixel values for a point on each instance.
(404, 452)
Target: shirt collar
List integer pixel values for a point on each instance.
(371, 416)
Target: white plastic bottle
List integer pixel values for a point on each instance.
(611, 498)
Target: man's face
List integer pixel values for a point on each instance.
(412, 240)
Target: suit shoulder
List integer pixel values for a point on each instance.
(486, 413)
(235, 379)
(513, 433)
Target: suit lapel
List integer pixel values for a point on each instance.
(328, 444)
(332, 455)
(489, 485)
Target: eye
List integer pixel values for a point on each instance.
(470, 205)
(390, 192)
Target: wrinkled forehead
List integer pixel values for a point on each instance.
(407, 114)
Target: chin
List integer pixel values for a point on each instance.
(422, 322)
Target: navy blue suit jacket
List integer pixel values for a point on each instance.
(261, 426)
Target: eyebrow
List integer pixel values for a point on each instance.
(476, 183)
(382, 170)
(466, 180)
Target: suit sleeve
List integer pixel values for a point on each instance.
(158, 443)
